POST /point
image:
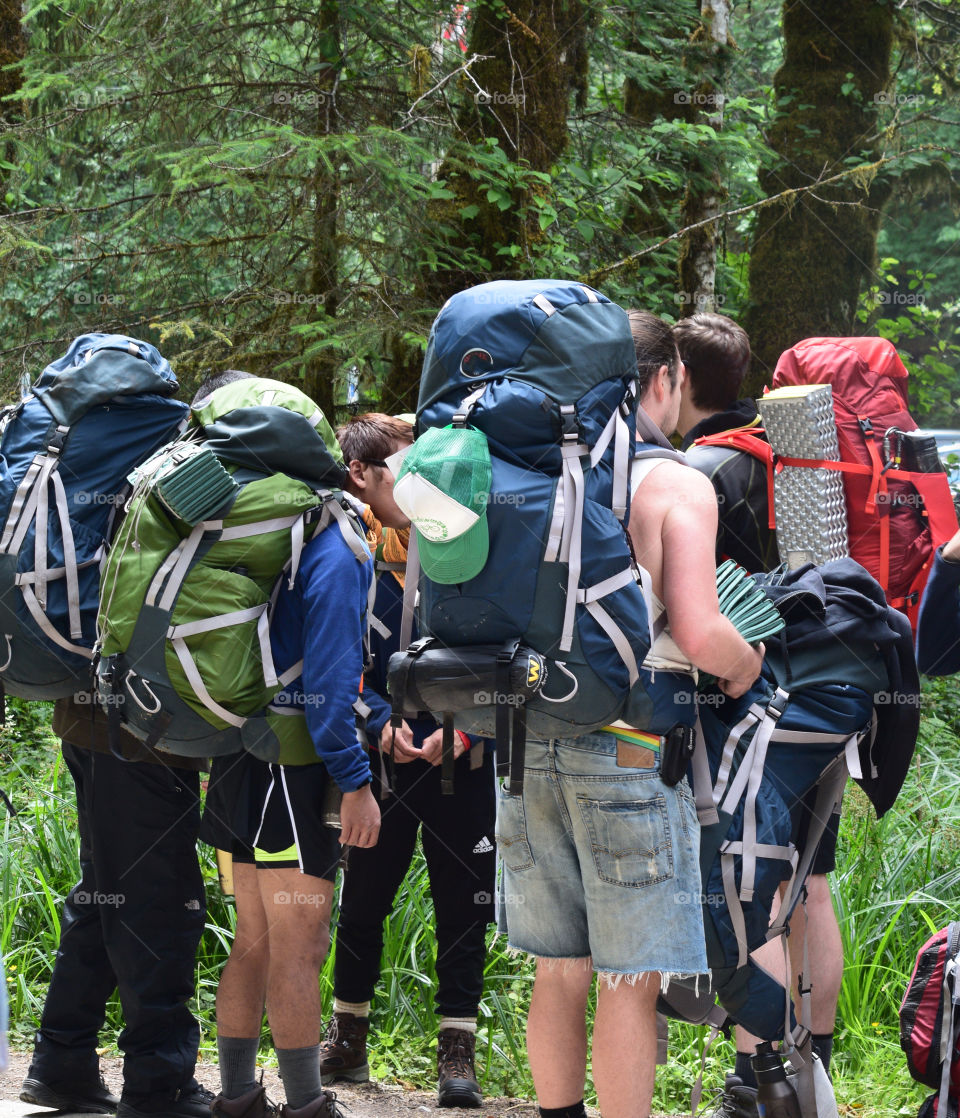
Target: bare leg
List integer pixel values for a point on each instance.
(297, 912)
(825, 963)
(625, 1046)
(243, 983)
(557, 1030)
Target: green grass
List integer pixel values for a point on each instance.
(897, 881)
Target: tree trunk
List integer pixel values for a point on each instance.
(811, 253)
(697, 265)
(13, 45)
(533, 55)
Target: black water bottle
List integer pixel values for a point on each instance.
(776, 1098)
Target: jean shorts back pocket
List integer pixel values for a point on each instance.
(630, 840)
(512, 832)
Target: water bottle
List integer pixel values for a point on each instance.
(776, 1098)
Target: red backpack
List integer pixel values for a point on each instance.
(930, 1021)
(896, 518)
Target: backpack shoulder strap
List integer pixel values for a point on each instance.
(752, 441)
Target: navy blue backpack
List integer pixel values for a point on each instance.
(65, 452)
(838, 695)
(550, 636)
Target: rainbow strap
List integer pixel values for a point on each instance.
(635, 737)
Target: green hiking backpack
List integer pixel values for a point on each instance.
(217, 522)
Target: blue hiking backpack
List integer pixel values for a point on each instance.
(65, 452)
(550, 636)
(839, 694)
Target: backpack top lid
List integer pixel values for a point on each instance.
(561, 336)
(443, 487)
(867, 375)
(98, 367)
(271, 428)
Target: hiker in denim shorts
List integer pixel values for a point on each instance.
(601, 856)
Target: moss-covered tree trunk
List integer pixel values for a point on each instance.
(533, 53)
(811, 253)
(697, 264)
(12, 49)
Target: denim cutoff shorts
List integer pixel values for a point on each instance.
(601, 861)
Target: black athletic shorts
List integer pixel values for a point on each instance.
(270, 815)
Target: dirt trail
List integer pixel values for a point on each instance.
(365, 1100)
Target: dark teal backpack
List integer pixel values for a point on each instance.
(65, 455)
(548, 639)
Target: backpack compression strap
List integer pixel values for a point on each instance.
(174, 571)
(31, 506)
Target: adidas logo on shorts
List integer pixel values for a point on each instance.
(484, 846)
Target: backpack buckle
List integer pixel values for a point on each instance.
(57, 442)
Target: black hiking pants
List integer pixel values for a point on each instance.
(460, 850)
(132, 922)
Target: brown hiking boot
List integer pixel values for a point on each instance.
(343, 1052)
(323, 1106)
(456, 1078)
(254, 1104)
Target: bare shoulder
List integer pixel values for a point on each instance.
(679, 478)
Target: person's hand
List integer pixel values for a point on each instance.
(741, 683)
(359, 818)
(432, 750)
(951, 549)
(403, 747)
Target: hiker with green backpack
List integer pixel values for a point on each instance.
(233, 617)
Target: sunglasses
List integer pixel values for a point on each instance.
(392, 462)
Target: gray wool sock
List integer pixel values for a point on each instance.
(238, 1064)
(300, 1072)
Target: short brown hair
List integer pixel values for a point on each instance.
(654, 346)
(372, 436)
(716, 352)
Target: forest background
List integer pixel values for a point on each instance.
(295, 188)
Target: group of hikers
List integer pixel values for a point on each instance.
(567, 897)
